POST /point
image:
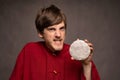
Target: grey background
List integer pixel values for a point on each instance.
(95, 20)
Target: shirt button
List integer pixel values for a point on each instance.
(54, 71)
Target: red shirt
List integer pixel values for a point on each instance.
(37, 62)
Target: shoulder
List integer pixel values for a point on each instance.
(32, 45)
(31, 48)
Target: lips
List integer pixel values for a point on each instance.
(57, 40)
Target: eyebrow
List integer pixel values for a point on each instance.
(62, 27)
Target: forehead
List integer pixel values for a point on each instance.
(62, 24)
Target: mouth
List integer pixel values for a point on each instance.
(58, 41)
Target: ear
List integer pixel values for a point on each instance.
(40, 35)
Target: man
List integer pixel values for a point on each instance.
(50, 59)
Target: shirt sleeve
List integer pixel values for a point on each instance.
(17, 73)
(94, 73)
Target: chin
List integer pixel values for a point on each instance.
(58, 48)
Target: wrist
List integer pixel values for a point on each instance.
(87, 70)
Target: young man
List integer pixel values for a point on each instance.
(50, 59)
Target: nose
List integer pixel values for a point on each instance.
(58, 33)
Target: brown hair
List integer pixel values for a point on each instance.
(49, 16)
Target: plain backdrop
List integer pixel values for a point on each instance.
(95, 20)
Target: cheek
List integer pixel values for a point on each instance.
(48, 37)
(64, 34)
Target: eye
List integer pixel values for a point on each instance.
(51, 29)
(62, 28)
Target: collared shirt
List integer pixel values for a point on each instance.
(37, 62)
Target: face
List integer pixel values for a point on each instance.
(54, 36)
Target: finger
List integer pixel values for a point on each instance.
(91, 50)
(78, 39)
(90, 44)
(91, 55)
(72, 58)
(86, 40)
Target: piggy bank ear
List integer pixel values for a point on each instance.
(79, 50)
